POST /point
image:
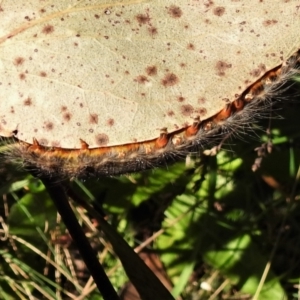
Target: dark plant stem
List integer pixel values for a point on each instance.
(145, 281)
(58, 196)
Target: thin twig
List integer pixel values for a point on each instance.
(58, 196)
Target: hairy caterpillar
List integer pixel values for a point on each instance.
(108, 161)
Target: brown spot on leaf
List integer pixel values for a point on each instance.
(67, 116)
(170, 113)
(101, 139)
(152, 30)
(201, 111)
(170, 79)
(180, 98)
(258, 71)
(151, 70)
(219, 11)
(255, 72)
(208, 3)
(221, 67)
(22, 76)
(262, 67)
(269, 22)
(93, 119)
(28, 101)
(96, 16)
(190, 46)
(43, 74)
(142, 19)
(19, 61)
(63, 108)
(175, 11)
(110, 122)
(49, 126)
(141, 79)
(201, 100)
(187, 109)
(48, 29)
